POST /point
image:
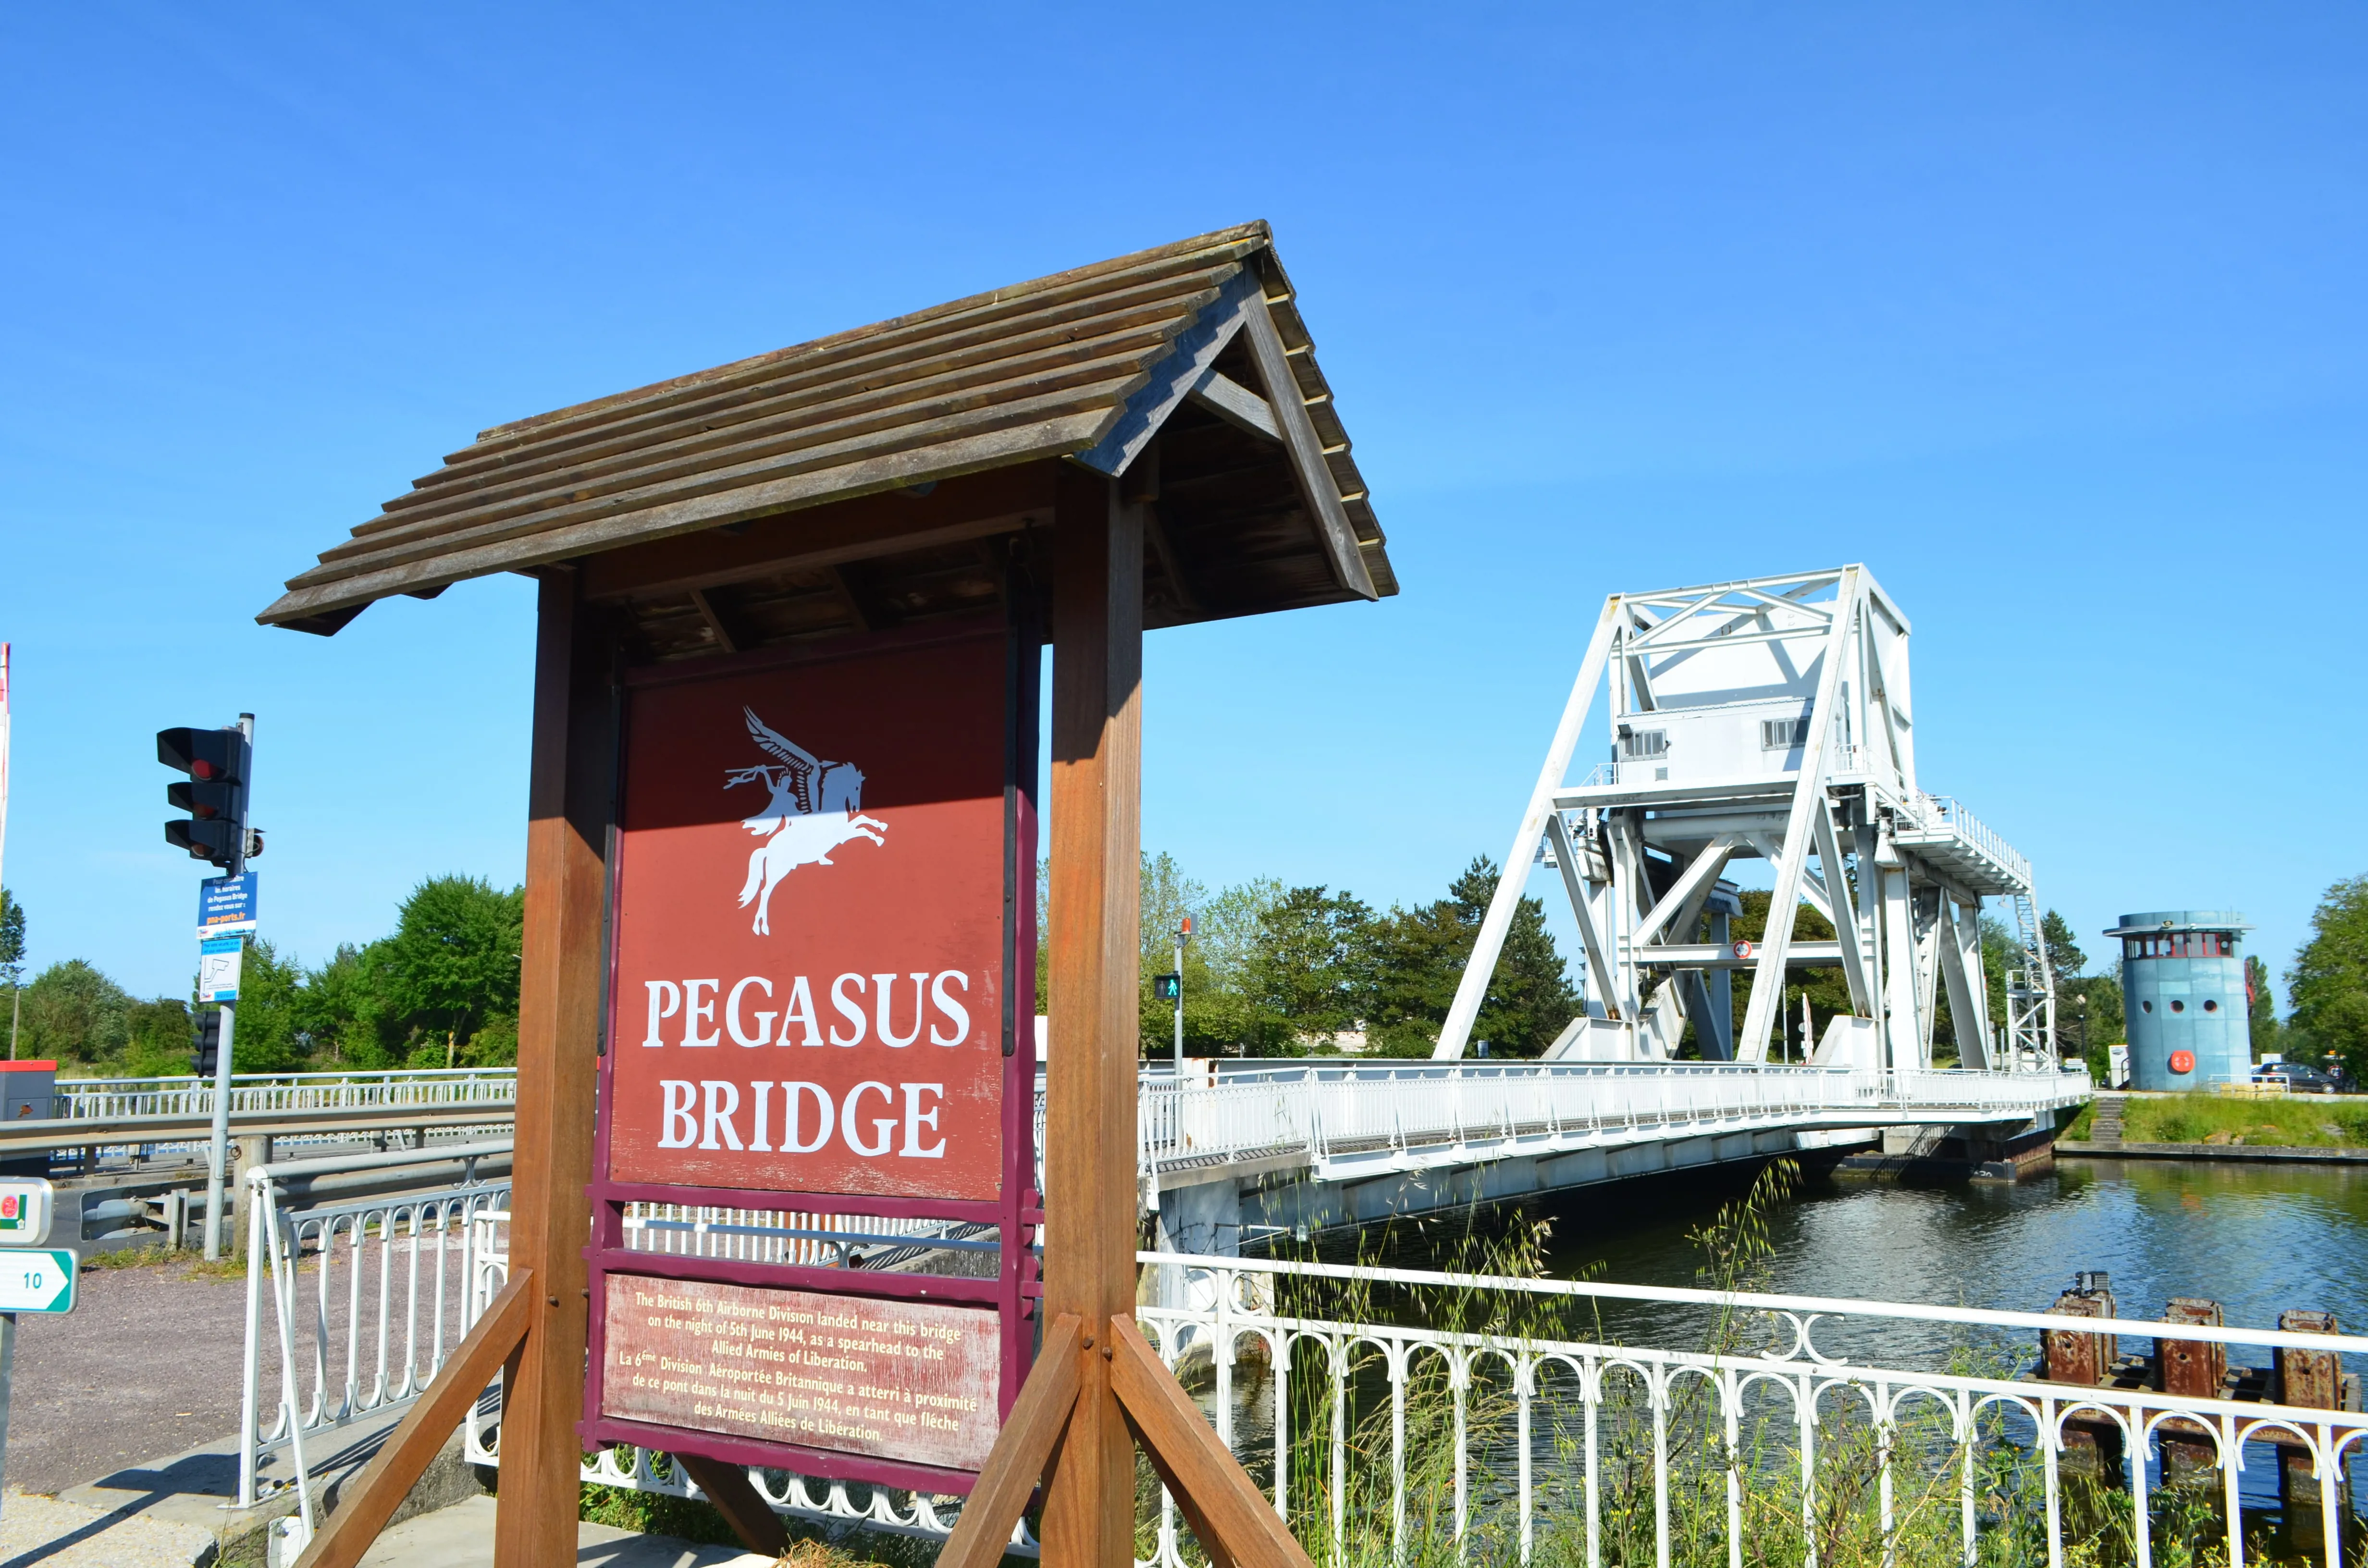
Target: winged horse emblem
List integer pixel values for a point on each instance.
(815, 807)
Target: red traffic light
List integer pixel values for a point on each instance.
(215, 796)
(213, 757)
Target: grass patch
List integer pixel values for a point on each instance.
(2304, 1122)
(2078, 1128)
(191, 1261)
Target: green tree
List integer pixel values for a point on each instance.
(453, 963)
(263, 1031)
(2329, 984)
(1418, 959)
(1309, 977)
(342, 1014)
(1219, 1018)
(75, 1013)
(12, 932)
(2064, 957)
(161, 1038)
(2260, 1008)
(12, 957)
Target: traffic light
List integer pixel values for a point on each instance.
(203, 1060)
(217, 762)
(1166, 987)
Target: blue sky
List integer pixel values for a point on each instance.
(2052, 316)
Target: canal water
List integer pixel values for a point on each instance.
(2257, 1238)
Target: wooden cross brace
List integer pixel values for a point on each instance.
(1228, 1514)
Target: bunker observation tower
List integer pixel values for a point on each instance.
(1769, 718)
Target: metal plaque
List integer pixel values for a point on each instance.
(905, 1379)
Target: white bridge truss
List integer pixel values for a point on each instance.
(1768, 719)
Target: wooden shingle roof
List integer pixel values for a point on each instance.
(1187, 344)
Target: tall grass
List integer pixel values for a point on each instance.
(1872, 1496)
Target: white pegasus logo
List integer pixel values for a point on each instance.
(816, 807)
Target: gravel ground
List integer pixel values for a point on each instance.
(147, 1366)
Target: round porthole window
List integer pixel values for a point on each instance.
(2145, 1006)
(2179, 1006)
(2211, 1007)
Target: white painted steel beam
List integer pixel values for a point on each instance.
(1514, 881)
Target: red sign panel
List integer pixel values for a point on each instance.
(903, 1380)
(809, 929)
(821, 935)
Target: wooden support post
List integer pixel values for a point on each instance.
(1089, 1182)
(380, 1489)
(742, 1506)
(1029, 1436)
(569, 799)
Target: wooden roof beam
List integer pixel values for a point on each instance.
(1317, 485)
(1235, 404)
(1174, 378)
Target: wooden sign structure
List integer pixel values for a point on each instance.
(821, 965)
(1144, 442)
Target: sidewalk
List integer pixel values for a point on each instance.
(59, 1534)
(462, 1537)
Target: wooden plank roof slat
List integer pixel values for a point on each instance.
(1072, 326)
(727, 464)
(1226, 244)
(867, 476)
(1087, 365)
(1091, 402)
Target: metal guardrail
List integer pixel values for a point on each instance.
(110, 1100)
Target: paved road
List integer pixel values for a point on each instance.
(147, 1366)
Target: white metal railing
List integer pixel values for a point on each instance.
(1422, 1115)
(1391, 1438)
(100, 1099)
(1943, 811)
(773, 1235)
(1571, 1411)
(395, 1283)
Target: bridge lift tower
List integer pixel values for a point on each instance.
(1771, 718)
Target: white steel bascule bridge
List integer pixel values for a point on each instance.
(1769, 720)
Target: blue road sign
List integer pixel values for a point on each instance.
(226, 906)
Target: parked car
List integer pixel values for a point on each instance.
(2299, 1077)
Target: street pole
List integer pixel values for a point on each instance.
(1181, 932)
(7, 1377)
(218, 1148)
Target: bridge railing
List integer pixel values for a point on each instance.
(1329, 1112)
(103, 1099)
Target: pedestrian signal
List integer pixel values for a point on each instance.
(1166, 987)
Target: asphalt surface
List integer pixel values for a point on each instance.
(147, 1366)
